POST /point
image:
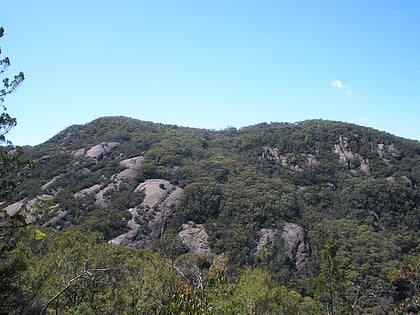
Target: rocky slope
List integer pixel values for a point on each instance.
(235, 192)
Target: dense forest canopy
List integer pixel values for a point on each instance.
(135, 217)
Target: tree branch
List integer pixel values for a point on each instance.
(69, 284)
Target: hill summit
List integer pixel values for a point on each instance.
(269, 196)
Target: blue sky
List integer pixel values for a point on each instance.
(213, 64)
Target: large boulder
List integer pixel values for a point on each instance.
(101, 150)
(295, 240)
(296, 245)
(195, 238)
(354, 161)
(160, 200)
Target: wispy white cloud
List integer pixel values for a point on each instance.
(337, 84)
(340, 85)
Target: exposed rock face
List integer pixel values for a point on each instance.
(364, 166)
(266, 236)
(102, 195)
(78, 153)
(297, 162)
(294, 162)
(99, 151)
(55, 220)
(90, 190)
(394, 152)
(387, 152)
(161, 198)
(131, 165)
(14, 207)
(353, 160)
(408, 181)
(30, 204)
(195, 238)
(49, 183)
(127, 238)
(343, 150)
(295, 244)
(381, 152)
(155, 191)
(270, 154)
(164, 208)
(402, 179)
(311, 159)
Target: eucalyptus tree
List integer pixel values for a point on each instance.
(12, 168)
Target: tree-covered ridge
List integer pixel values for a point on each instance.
(311, 210)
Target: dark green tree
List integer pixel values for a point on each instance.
(407, 283)
(6, 121)
(12, 168)
(10, 161)
(330, 291)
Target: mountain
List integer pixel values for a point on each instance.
(276, 196)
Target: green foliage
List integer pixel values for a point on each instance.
(81, 274)
(189, 301)
(109, 222)
(6, 121)
(255, 292)
(201, 201)
(125, 198)
(407, 283)
(232, 187)
(170, 246)
(13, 170)
(330, 292)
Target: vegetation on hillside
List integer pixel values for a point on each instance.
(351, 192)
(362, 226)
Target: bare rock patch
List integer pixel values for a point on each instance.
(195, 238)
(101, 150)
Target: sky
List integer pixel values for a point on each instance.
(212, 64)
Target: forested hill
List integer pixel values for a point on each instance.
(327, 211)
